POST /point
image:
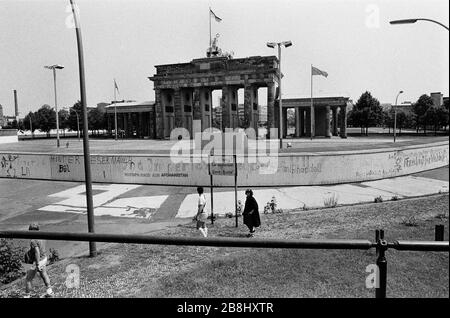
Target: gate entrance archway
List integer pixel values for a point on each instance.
(190, 87)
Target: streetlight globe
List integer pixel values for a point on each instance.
(287, 43)
(271, 44)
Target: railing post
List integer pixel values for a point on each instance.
(381, 248)
(439, 232)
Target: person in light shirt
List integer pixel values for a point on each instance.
(39, 259)
(202, 215)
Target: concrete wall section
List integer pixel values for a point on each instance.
(25, 166)
(8, 139)
(291, 169)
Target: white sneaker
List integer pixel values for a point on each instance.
(27, 296)
(49, 291)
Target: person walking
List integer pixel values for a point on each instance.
(251, 213)
(202, 215)
(38, 258)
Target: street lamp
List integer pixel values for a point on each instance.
(54, 68)
(78, 123)
(273, 45)
(410, 21)
(395, 114)
(86, 152)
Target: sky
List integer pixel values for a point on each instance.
(123, 39)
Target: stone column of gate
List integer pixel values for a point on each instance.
(343, 130)
(248, 107)
(159, 120)
(125, 124)
(140, 128)
(327, 122)
(255, 111)
(130, 125)
(312, 125)
(271, 109)
(196, 111)
(226, 111)
(297, 122)
(335, 121)
(151, 124)
(285, 122)
(178, 107)
(205, 106)
(308, 122)
(109, 123)
(302, 121)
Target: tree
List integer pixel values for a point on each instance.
(96, 119)
(388, 119)
(10, 261)
(401, 121)
(63, 119)
(442, 117)
(420, 109)
(30, 121)
(72, 119)
(367, 112)
(46, 119)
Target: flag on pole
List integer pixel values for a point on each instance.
(215, 16)
(115, 86)
(316, 71)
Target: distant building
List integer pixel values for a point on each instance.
(438, 99)
(8, 120)
(2, 120)
(134, 119)
(101, 106)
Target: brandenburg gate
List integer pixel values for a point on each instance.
(183, 97)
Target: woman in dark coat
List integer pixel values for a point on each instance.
(251, 213)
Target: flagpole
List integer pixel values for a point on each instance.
(210, 39)
(312, 107)
(115, 110)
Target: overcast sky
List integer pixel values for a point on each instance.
(123, 39)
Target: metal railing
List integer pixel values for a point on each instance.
(380, 244)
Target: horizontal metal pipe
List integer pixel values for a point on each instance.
(431, 246)
(164, 240)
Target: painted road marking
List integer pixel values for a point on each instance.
(104, 203)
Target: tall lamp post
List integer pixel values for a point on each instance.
(410, 21)
(54, 68)
(86, 152)
(78, 123)
(273, 45)
(395, 114)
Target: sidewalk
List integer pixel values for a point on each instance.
(308, 197)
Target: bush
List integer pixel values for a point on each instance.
(11, 256)
(378, 199)
(411, 221)
(331, 201)
(229, 214)
(54, 256)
